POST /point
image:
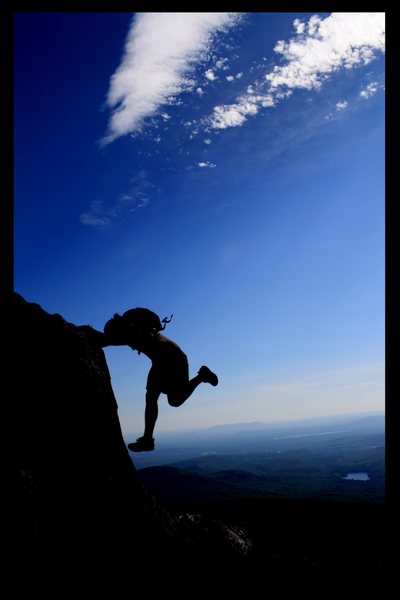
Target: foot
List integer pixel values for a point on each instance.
(208, 376)
(142, 444)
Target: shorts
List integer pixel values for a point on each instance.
(170, 376)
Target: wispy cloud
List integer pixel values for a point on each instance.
(357, 389)
(320, 48)
(369, 91)
(160, 54)
(341, 105)
(101, 215)
(345, 390)
(206, 165)
(232, 115)
(97, 216)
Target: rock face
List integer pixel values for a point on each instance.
(74, 483)
(74, 479)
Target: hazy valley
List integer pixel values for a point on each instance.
(299, 489)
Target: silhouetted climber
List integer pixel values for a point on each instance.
(140, 329)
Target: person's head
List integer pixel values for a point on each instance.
(138, 328)
(119, 331)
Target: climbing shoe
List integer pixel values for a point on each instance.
(142, 444)
(208, 376)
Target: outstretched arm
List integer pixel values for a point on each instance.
(97, 337)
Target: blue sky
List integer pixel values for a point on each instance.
(224, 167)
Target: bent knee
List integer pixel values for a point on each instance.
(175, 400)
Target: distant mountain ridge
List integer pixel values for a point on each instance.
(258, 437)
(353, 418)
(356, 419)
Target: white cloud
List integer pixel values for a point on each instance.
(209, 74)
(160, 51)
(340, 40)
(369, 91)
(232, 115)
(207, 164)
(299, 26)
(230, 78)
(320, 48)
(280, 95)
(221, 63)
(207, 141)
(341, 105)
(200, 91)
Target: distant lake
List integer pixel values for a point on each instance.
(357, 476)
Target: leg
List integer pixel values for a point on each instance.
(146, 442)
(150, 412)
(180, 395)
